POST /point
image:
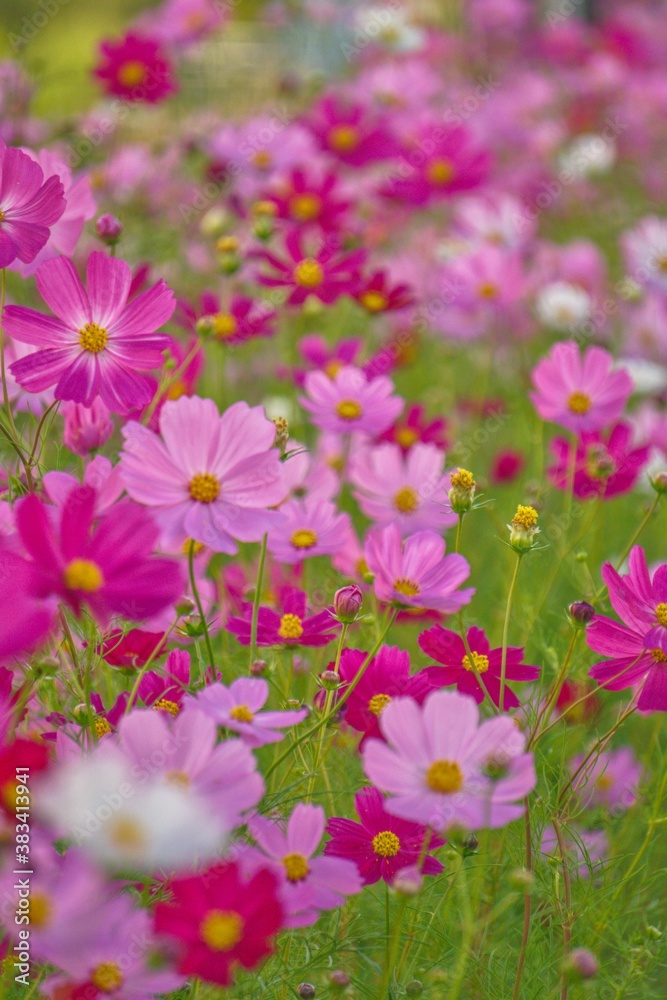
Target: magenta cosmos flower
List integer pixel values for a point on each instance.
(414, 426)
(208, 477)
(307, 528)
(242, 319)
(105, 563)
(326, 273)
(349, 402)
(406, 490)
(442, 768)
(289, 625)
(219, 919)
(382, 844)
(453, 163)
(606, 464)
(580, 393)
(135, 69)
(238, 707)
(97, 342)
(376, 295)
(308, 884)
(416, 574)
(27, 618)
(307, 201)
(447, 647)
(29, 206)
(351, 132)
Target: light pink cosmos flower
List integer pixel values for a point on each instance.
(416, 574)
(349, 402)
(307, 476)
(609, 781)
(406, 490)
(29, 206)
(97, 342)
(308, 528)
(443, 768)
(238, 707)
(207, 477)
(580, 393)
(307, 884)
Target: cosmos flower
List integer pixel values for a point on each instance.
(239, 708)
(304, 200)
(164, 692)
(135, 69)
(414, 426)
(352, 133)
(289, 625)
(325, 273)
(605, 464)
(610, 780)
(349, 402)
(442, 162)
(29, 206)
(242, 319)
(376, 295)
(307, 528)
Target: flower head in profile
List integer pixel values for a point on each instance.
(605, 464)
(135, 68)
(29, 206)
(349, 402)
(239, 708)
(288, 625)
(416, 573)
(381, 844)
(97, 344)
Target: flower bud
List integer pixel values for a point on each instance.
(469, 845)
(305, 990)
(87, 428)
(462, 491)
(338, 980)
(330, 680)
(521, 879)
(214, 223)
(185, 607)
(523, 529)
(205, 326)
(264, 212)
(282, 433)
(659, 482)
(581, 612)
(109, 229)
(229, 259)
(408, 881)
(347, 603)
(414, 988)
(258, 668)
(580, 964)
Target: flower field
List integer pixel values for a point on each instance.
(333, 644)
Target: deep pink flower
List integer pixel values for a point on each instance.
(29, 206)
(106, 720)
(440, 162)
(106, 563)
(382, 844)
(305, 200)
(238, 707)
(135, 69)
(444, 769)
(242, 319)
(220, 918)
(350, 402)
(638, 597)
(507, 465)
(87, 428)
(165, 691)
(416, 574)
(376, 295)
(580, 393)
(448, 648)
(27, 618)
(208, 477)
(325, 273)
(351, 132)
(414, 426)
(97, 342)
(289, 625)
(606, 464)
(132, 649)
(317, 353)
(307, 528)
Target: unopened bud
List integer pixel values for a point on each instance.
(214, 223)
(462, 491)
(305, 990)
(109, 229)
(659, 482)
(185, 607)
(521, 879)
(264, 213)
(330, 680)
(580, 964)
(258, 667)
(338, 980)
(282, 432)
(469, 845)
(414, 988)
(581, 612)
(523, 529)
(347, 603)
(229, 259)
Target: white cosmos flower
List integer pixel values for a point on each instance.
(563, 306)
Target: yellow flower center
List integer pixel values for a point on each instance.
(39, 910)
(579, 402)
(480, 663)
(224, 325)
(604, 782)
(344, 138)
(296, 867)
(179, 778)
(241, 713)
(9, 794)
(661, 614)
(374, 301)
(440, 171)
(308, 273)
(333, 367)
(204, 487)
(132, 73)
(378, 703)
(487, 290)
(176, 389)
(407, 587)
(262, 159)
(304, 538)
(661, 263)
(444, 776)
(290, 627)
(126, 833)
(406, 500)
(190, 545)
(305, 207)
(164, 705)
(107, 977)
(102, 727)
(463, 479)
(658, 656)
(406, 436)
(525, 517)
(386, 844)
(82, 574)
(349, 409)
(221, 929)
(93, 338)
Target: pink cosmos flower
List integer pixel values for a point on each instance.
(208, 477)
(638, 597)
(351, 132)
(29, 206)
(165, 692)
(27, 618)
(97, 342)
(131, 649)
(289, 625)
(382, 844)
(182, 23)
(219, 918)
(407, 490)
(440, 163)
(488, 280)
(243, 319)
(106, 720)
(306, 477)
(413, 427)
(448, 648)
(580, 393)
(305, 200)
(87, 428)
(606, 464)
(99, 474)
(308, 884)
(307, 528)
(442, 768)
(135, 69)
(416, 573)
(238, 707)
(325, 273)
(609, 781)
(318, 353)
(376, 295)
(350, 402)
(586, 851)
(104, 563)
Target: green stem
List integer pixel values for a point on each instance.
(467, 935)
(506, 626)
(527, 905)
(257, 601)
(327, 709)
(552, 696)
(567, 901)
(385, 985)
(195, 594)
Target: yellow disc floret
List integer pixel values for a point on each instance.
(386, 844)
(221, 929)
(349, 409)
(480, 663)
(296, 867)
(444, 776)
(378, 703)
(83, 574)
(93, 338)
(291, 627)
(406, 500)
(204, 487)
(303, 538)
(308, 273)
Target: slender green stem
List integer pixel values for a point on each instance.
(527, 905)
(257, 601)
(633, 541)
(319, 752)
(200, 609)
(467, 935)
(167, 382)
(385, 986)
(552, 696)
(506, 626)
(567, 901)
(459, 530)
